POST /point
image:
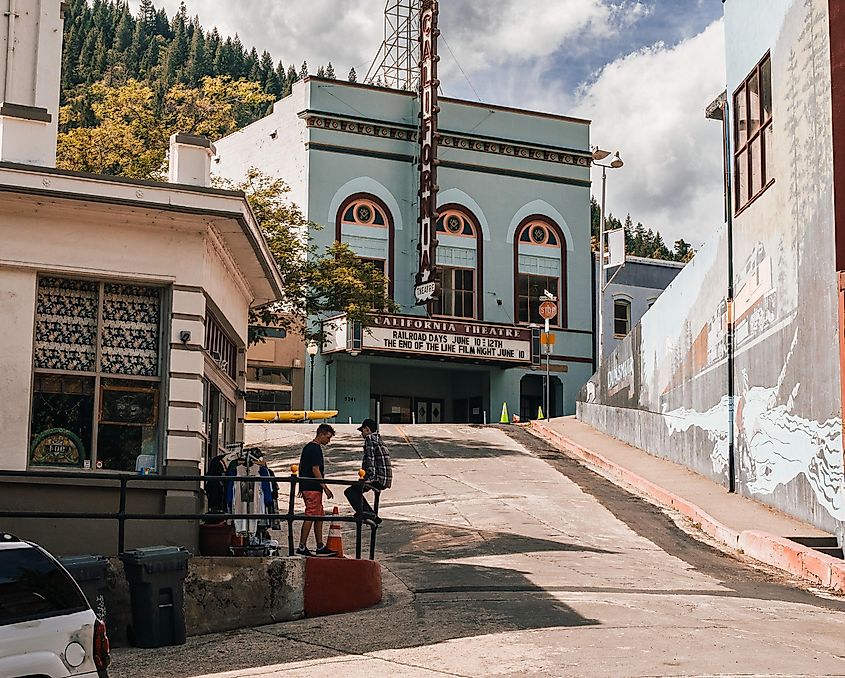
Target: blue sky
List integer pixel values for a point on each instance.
(642, 70)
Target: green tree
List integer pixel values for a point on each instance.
(683, 251)
(317, 283)
(303, 72)
(330, 71)
(353, 76)
(217, 108)
(128, 139)
(131, 132)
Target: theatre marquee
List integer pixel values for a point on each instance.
(413, 336)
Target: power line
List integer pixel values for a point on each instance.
(457, 63)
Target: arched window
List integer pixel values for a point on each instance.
(540, 266)
(459, 264)
(365, 224)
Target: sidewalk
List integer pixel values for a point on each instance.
(741, 523)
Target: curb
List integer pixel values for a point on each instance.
(784, 554)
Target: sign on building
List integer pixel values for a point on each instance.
(426, 288)
(414, 336)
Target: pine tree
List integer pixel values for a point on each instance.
(198, 65)
(177, 53)
(291, 78)
(330, 71)
(147, 16)
(303, 72)
(353, 76)
(321, 72)
(238, 59)
(282, 79)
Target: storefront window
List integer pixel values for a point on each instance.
(86, 333)
(268, 401)
(62, 416)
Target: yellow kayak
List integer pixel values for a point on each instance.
(291, 415)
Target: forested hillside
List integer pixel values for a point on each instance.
(105, 41)
(130, 80)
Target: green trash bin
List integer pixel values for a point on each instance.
(156, 577)
(90, 573)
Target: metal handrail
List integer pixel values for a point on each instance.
(121, 516)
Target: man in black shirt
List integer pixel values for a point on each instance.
(311, 465)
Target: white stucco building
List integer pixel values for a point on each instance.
(124, 309)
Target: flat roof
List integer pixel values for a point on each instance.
(160, 195)
(450, 100)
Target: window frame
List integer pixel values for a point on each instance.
(99, 376)
(441, 271)
(478, 282)
(562, 320)
(626, 302)
(390, 266)
(518, 297)
(743, 151)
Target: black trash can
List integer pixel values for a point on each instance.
(90, 573)
(156, 577)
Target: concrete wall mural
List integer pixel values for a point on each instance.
(666, 387)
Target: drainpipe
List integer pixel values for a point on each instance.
(720, 110)
(726, 144)
(10, 50)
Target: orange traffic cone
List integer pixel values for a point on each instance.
(335, 540)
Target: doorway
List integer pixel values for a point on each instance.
(429, 411)
(531, 397)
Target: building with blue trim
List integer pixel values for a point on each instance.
(514, 221)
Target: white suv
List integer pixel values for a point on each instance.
(47, 627)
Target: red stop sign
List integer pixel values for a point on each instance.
(548, 310)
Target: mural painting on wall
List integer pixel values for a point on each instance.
(787, 400)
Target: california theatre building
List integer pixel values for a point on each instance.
(512, 219)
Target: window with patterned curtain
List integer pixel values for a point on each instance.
(97, 375)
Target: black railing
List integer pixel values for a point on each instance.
(122, 516)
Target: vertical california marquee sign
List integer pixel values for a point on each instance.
(426, 289)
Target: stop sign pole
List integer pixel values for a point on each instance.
(548, 310)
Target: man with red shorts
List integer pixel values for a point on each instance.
(311, 466)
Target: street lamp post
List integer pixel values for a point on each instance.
(312, 353)
(615, 163)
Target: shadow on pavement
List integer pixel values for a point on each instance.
(427, 601)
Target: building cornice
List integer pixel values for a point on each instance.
(448, 139)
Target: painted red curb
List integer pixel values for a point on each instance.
(337, 585)
(779, 552)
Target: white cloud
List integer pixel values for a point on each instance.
(650, 105)
(346, 32)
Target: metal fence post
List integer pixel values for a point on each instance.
(121, 517)
(358, 524)
(374, 528)
(293, 471)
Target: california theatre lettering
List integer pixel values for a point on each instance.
(449, 339)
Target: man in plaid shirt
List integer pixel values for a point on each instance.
(376, 465)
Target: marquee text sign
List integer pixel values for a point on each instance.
(448, 339)
(426, 288)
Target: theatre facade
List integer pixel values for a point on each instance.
(512, 221)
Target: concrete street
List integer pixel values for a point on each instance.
(503, 557)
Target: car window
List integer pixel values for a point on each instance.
(32, 587)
